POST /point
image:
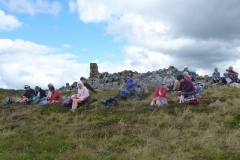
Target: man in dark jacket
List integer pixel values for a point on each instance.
(87, 85)
(29, 93)
(39, 92)
(186, 88)
(226, 79)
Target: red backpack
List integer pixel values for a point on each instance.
(195, 100)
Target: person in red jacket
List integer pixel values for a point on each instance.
(159, 97)
(55, 97)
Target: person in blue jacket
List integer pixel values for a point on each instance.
(216, 76)
(133, 86)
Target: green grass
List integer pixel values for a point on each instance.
(130, 131)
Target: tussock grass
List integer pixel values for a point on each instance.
(133, 130)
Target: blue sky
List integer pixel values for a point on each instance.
(43, 41)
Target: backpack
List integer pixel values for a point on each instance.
(67, 102)
(8, 100)
(198, 88)
(124, 94)
(192, 100)
(111, 101)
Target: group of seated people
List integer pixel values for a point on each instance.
(54, 96)
(182, 85)
(40, 94)
(229, 76)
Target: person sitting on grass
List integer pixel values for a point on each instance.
(232, 73)
(133, 86)
(186, 88)
(186, 76)
(55, 96)
(87, 85)
(159, 97)
(226, 79)
(29, 93)
(169, 81)
(82, 95)
(216, 76)
(41, 95)
(49, 92)
(191, 73)
(177, 83)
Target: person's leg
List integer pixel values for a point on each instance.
(23, 100)
(135, 91)
(75, 104)
(181, 98)
(175, 86)
(153, 101)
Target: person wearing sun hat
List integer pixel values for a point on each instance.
(29, 93)
(159, 97)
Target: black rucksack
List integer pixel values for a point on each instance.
(8, 100)
(111, 101)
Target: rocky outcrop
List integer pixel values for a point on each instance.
(148, 79)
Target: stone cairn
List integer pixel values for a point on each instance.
(118, 80)
(93, 70)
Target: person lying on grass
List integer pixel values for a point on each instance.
(82, 95)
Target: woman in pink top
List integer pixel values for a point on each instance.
(80, 96)
(160, 95)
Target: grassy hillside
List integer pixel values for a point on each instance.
(130, 131)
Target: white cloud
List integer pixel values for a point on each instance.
(23, 62)
(172, 32)
(33, 7)
(8, 22)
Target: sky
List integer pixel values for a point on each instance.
(54, 41)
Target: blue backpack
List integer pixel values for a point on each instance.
(124, 94)
(198, 88)
(8, 100)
